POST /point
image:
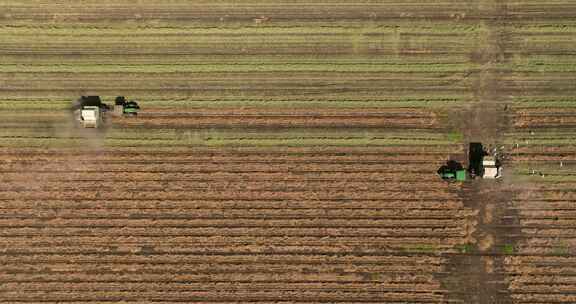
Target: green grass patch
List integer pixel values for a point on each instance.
(455, 136)
(561, 248)
(508, 249)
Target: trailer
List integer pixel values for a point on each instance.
(483, 162)
(452, 171)
(476, 155)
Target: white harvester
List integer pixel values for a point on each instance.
(89, 111)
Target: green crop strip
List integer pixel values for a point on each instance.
(207, 68)
(245, 59)
(58, 105)
(563, 26)
(543, 172)
(536, 143)
(217, 142)
(218, 138)
(545, 102)
(241, 28)
(242, 37)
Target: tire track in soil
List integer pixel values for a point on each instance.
(477, 275)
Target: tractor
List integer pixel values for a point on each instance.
(483, 162)
(452, 171)
(125, 108)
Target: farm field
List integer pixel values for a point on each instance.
(287, 152)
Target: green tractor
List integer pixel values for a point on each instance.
(452, 171)
(125, 108)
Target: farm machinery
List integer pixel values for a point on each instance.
(482, 162)
(91, 112)
(125, 108)
(452, 170)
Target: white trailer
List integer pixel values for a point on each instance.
(491, 168)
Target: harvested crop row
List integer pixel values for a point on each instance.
(300, 10)
(215, 213)
(223, 194)
(263, 122)
(232, 153)
(164, 205)
(201, 185)
(384, 155)
(420, 243)
(229, 167)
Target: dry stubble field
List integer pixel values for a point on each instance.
(286, 153)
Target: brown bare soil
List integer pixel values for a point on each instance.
(210, 236)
